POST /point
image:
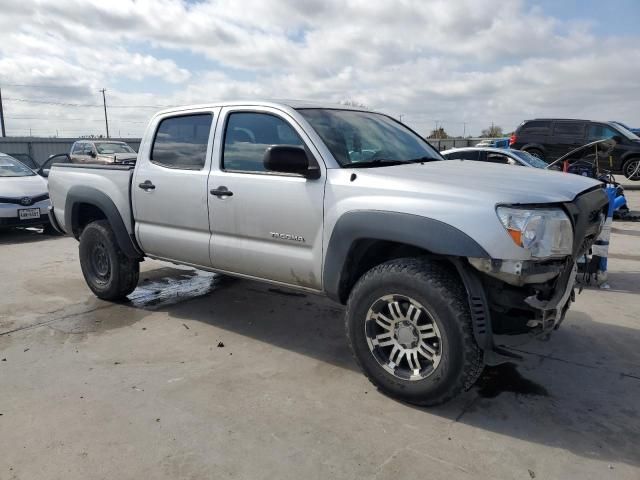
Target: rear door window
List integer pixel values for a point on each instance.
(536, 127)
(499, 158)
(569, 129)
(181, 142)
(463, 155)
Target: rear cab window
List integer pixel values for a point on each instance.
(181, 141)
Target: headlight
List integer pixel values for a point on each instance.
(545, 232)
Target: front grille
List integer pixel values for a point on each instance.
(585, 211)
(24, 201)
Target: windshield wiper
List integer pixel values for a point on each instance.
(422, 159)
(378, 162)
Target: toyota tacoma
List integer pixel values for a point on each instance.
(442, 265)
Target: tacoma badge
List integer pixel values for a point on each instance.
(287, 236)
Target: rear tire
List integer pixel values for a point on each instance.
(109, 273)
(382, 318)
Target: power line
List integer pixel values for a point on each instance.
(66, 119)
(64, 104)
(24, 85)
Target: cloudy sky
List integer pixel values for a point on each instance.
(461, 63)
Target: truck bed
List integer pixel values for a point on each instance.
(112, 180)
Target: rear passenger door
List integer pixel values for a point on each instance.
(170, 187)
(269, 225)
(567, 135)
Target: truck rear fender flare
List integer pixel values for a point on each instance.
(415, 231)
(82, 195)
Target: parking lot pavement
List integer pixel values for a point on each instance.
(204, 377)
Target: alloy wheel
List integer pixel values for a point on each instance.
(403, 337)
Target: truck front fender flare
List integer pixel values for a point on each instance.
(428, 234)
(81, 194)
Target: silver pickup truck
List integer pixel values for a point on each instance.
(442, 264)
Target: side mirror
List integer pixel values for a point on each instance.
(93, 154)
(289, 159)
(44, 172)
(617, 139)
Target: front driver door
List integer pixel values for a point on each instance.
(269, 226)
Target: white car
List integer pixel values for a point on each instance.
(495, 155)
(24, 196)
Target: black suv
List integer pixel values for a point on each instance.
(549, 139)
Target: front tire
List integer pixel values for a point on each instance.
(409, 328)
(109, 273)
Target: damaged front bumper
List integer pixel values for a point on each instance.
(512, 301)
(543, 288)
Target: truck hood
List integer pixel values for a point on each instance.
(479, 181)
(16, 187)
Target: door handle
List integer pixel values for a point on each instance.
(147, 185)
(221, 191)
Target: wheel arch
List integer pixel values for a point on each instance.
(86, 204)
(363, 239)
(533, 146)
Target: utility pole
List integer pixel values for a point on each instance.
(104, 104)
(4, 133)
(401, 115)
(464, 129)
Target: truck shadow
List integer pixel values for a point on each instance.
(12, 236)
(577, 392)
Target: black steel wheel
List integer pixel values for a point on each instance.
(109, 273)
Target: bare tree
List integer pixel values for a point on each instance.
(493, 131)
(354, 103)
(439, 133)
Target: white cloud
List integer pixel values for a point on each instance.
(473, 61)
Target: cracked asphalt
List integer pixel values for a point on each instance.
(200, 376)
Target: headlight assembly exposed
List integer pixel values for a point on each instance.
(545, 232)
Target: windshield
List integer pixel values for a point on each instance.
(627, 133)
(10, 167)
(530, 159)
(366, 139)
(107, 148)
